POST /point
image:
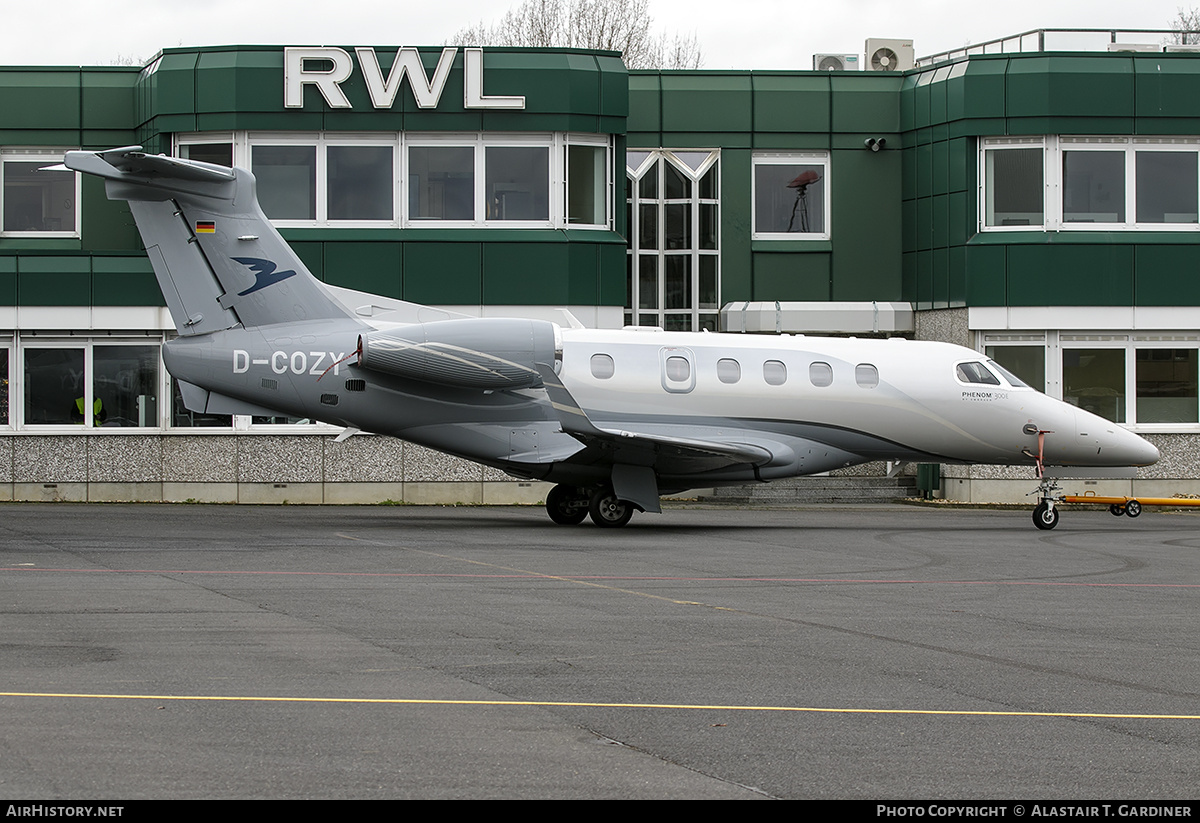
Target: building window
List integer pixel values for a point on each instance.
(92, 386)
(790, 199)
(441, 183)
(1028, 363)
(1094, 380)
(587, 185)
(1167, 386)
(287, 181)
(517, 182)
(1090, 183)
(55, 388)
(360, 183)
(673, 208)
(392, 179)
(35, 203)
(1093, 186)
(4, 412)
(1014, 182)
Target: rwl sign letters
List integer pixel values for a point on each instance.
(311, 67)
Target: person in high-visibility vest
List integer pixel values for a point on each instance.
(98, 413)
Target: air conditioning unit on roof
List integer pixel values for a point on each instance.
(889, 55)
(836, 62)
(1193, 47)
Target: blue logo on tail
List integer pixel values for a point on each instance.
(264, 273)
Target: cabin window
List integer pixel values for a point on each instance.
(728, 371)
(820, 374)
(866, 375)
(976, 373)
(678, 369)
(602, 366)
(775, 373)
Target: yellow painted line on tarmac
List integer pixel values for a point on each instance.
(591, 705)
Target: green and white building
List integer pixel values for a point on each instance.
(1038, 205)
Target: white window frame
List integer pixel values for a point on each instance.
(1054, 148)
(594, 141)
(555, 143)
(17, 388)
(8, 345)
(48, 156)
(800, 158)
(658, 158)
(1055, 342)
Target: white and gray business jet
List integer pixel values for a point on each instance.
(614, 418)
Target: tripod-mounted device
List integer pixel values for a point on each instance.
(801, 184)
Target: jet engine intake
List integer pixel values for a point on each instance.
(476, 353)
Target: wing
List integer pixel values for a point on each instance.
(664, 453)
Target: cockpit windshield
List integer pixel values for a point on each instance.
(1012, 379)
(976, 373)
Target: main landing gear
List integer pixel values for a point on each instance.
(569, 505)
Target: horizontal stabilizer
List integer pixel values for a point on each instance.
(219, 261)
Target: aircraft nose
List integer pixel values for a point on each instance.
(1111, 444)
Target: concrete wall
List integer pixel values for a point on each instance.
(247, 469)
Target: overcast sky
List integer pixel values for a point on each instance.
(750, 34)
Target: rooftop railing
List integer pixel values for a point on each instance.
(1038, 40)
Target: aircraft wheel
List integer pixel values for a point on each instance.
(1116, 510)
(566, 505)
(1133, 508)
(608, 511)
(1045, 517)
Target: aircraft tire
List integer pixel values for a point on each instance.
(566, 505)
(1116, 510)
(609, 512)
(1133, 508)
(1045, 517)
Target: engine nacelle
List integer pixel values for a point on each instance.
(474, 353)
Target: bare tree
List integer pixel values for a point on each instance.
(1186, 26)
(613, 25)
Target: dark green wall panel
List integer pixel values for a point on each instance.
(791, 103)
(1070, 275)
(124, 281)
(866, 231)
(791, 277)
(8, 281)
(443, 273)
(1165, 275)
(718, 102)
(369, 267)
(537, 273)
(54, 281)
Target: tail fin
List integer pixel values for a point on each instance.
(218, 260)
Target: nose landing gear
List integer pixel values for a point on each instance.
(1045, 515)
